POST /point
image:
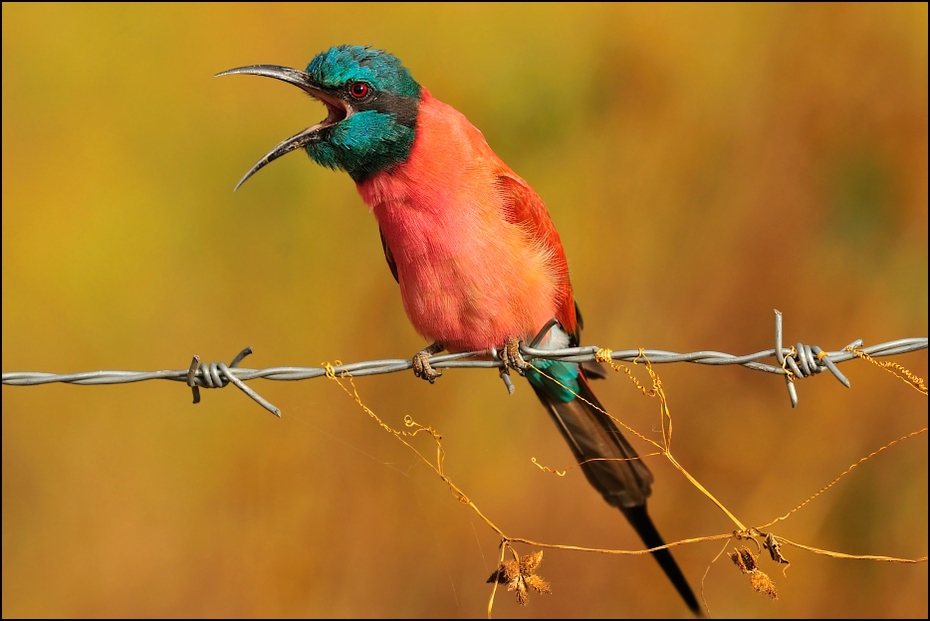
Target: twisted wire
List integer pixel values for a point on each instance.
(794, 363)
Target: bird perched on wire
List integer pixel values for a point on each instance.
(479, 263)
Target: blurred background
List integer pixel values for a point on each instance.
(704, 165)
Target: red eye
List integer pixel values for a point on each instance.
(358, 90)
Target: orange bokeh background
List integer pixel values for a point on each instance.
(704, 165)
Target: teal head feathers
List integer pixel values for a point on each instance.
(372, 103)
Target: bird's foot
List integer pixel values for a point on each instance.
(512, 357)
(421, 365)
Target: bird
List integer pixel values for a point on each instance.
(477, 258)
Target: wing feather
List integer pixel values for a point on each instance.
(522, 206)
(388, 256)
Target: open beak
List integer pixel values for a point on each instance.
(338, 109)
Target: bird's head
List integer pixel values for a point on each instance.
(372, 103)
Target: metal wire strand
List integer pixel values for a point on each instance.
(794, 363)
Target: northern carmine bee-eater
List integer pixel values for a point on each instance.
(478, 260)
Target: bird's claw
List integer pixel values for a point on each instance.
(512, 358)
(422, 367)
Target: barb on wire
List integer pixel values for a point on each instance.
(794, 363)
(217, 375)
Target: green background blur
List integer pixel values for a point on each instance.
(704, 165)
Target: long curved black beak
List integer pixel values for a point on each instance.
(338, 109)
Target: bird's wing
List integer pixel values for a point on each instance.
(522, 206)
(388, 256)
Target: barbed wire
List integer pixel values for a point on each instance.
(795, 362)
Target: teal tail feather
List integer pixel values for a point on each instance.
(625, 482)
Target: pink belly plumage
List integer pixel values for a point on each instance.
(471, 275)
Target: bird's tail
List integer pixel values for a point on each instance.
(617, 472)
